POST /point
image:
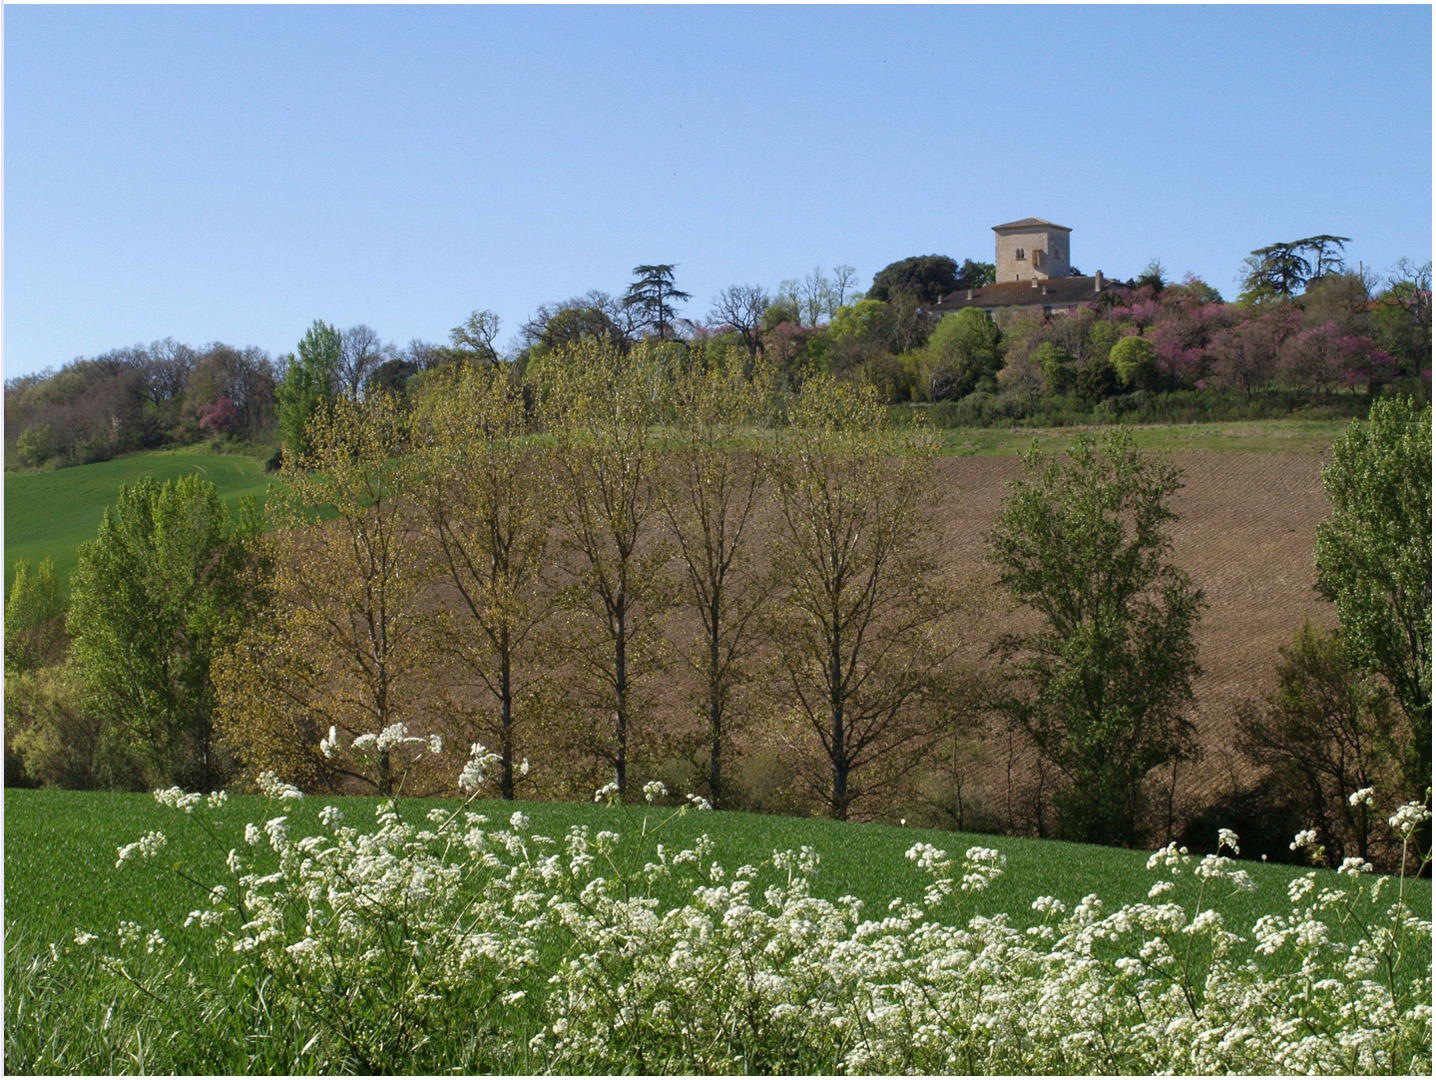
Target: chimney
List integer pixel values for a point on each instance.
(1098, 286)
(969, 294)
(1044, 290)
(1034, 283)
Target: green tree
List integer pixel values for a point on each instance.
(1102, 684)
(856, 624)
(311, 383)
(928, 278)
(1373, 560)
(1324, 734)
(964, 354)
(1279, 271)
(34, 618)
(154, 598)
(1135, 361)
(474, 338)
(652, 296)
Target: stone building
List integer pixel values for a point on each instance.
(1034, 274)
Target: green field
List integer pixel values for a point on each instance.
(52, 513)
(192, 1008)
(60, 855)
(1246, 436)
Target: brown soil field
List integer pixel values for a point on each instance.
(1245, 532)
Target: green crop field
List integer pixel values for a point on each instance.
(53, 513)
(61, 882)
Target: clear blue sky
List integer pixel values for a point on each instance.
(233, 173)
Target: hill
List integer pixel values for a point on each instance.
(52, 513)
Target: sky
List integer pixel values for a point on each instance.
(234, 173)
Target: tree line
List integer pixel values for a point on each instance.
(661, 561)
(1305, 331)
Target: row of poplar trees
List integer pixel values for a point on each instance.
(549, 567)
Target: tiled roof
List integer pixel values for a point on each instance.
(1032, 222)
(1060, 292)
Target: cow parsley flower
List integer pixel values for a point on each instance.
(275, 788)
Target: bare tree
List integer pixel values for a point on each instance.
(742, 307)
(169, 368)
(843, 278)
(360, 351)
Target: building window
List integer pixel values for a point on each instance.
(1021, 253)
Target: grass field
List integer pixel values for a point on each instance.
(1246, 436)
(190, 1008)
(60, 854)
(52, 513)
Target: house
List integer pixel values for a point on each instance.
(1034, 274)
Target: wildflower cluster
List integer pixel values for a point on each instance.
(556, 954)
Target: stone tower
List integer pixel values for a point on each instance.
(1032, 250)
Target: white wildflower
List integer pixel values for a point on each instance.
(147, 847)
(654, 789)
(328, 746)
(1365, 796)
(1405, 820)
(176, 799)
(436, 744)
(275, 788)
(1304, 839)
(1228, 839)
(1353, 866)
(519, 821)
(607, 793)
(699, 802)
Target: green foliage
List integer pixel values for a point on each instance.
(1102, 685)
(1325, 734)
(49, 515)
(34, 627)
(652, 296)
(153, 598)
(963, 355)
(1135, 361)
(35, 445)
(1055, 363)
(1373, 558)
(1279, 271)
(311, 381)
(928, 278)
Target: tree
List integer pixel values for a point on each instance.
(856, 624)
(1324, 733)
(1135, 361)
(311, 383)
(34, 618)
(975, 275)
(474, 338)
(344, 644)
(928, 278)
(154, 598)
(1281, 270)
(742, 308)
(600, 405)
(712, 500)
(651, 296)
(488, 495)
(360, 352)
(963, 354)
(1101, 686)
(1373, 560)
